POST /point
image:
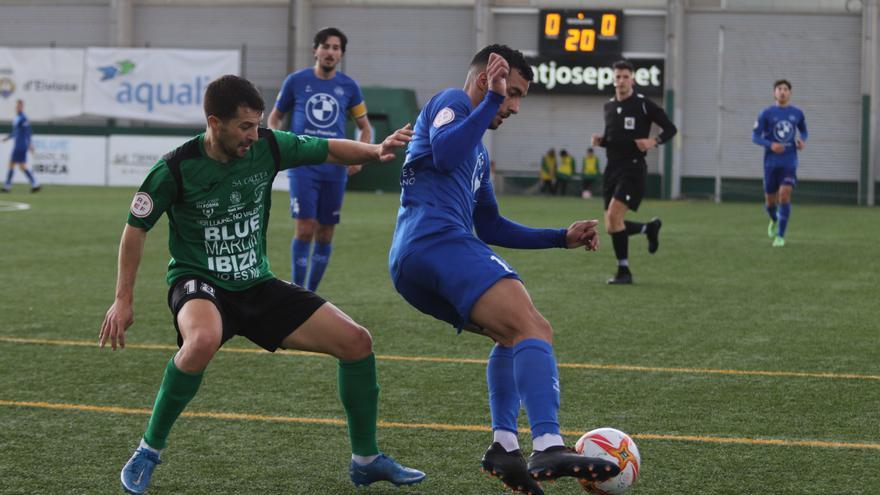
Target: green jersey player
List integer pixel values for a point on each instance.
(215, 190)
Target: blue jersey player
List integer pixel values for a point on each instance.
(21, 133)
(782, 131)
(320, 97)
(441, 263)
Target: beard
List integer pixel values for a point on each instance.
(230, 146)
(327, 68)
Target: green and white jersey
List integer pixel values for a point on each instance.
(217, 228)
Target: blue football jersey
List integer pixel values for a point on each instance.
(782, 125)
(442, 180)
(320, 107)
(21, 132)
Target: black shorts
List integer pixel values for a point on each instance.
(625, 181)
(265, 314)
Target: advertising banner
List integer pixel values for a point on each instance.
(48, 80)
(62, 159)
(131, 157)
(153, 84)
(591, 75)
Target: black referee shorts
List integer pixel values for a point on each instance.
(265, 314)
(624, 180)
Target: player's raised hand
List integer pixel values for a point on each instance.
(497, 71)
(119, 317)
(583, 233)
(394, 142)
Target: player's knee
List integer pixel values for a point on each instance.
(357, 344)
(305, 230)
(612, 226)
(324, 234)
(542, 329)
(198, 349)
(533, 326)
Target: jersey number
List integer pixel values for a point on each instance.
(191, 287)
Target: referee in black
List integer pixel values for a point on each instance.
(628, 119)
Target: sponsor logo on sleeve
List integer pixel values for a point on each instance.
(443, 117)
(142, 205)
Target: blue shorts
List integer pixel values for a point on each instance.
(782, 175)
(320, 199)
(19, 155)
(445, 277)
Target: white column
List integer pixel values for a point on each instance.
(300, 49)
(675, 79)
(871, 88)
(122, 22)
(484, 37)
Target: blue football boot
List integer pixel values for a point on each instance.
(383, 468)
(138, 470)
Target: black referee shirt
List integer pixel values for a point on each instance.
(631, 119)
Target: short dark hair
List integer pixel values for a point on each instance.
(514, 58)
(225, 94)
(623, 65)
(780, 82)
(322, 35)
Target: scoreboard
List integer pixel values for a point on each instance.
(580, 32)
(576, 49)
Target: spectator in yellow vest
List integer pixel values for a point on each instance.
(565, 171)
(590, 172)
(548, 172)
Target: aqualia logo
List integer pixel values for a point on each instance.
(153, 93)
(121, 68)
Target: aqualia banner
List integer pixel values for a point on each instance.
(48, 80)
(153, 84)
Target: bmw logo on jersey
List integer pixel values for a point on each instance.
(322, 110)
(783, 131)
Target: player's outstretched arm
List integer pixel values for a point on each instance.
(348, 152)
(583, 233)
(120, 316)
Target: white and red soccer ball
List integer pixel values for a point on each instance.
(615, 446)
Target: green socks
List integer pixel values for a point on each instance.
(177, 389)
(359, 392)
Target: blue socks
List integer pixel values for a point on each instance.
(299, 259)
(771, 210)
(299, 256)
(537, 383)
(784, 213)
(503, 397)
(31, 178)
(320, 258)
(9, 178)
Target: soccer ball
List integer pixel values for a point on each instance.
(614, 446)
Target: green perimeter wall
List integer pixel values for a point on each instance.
(731, 189)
